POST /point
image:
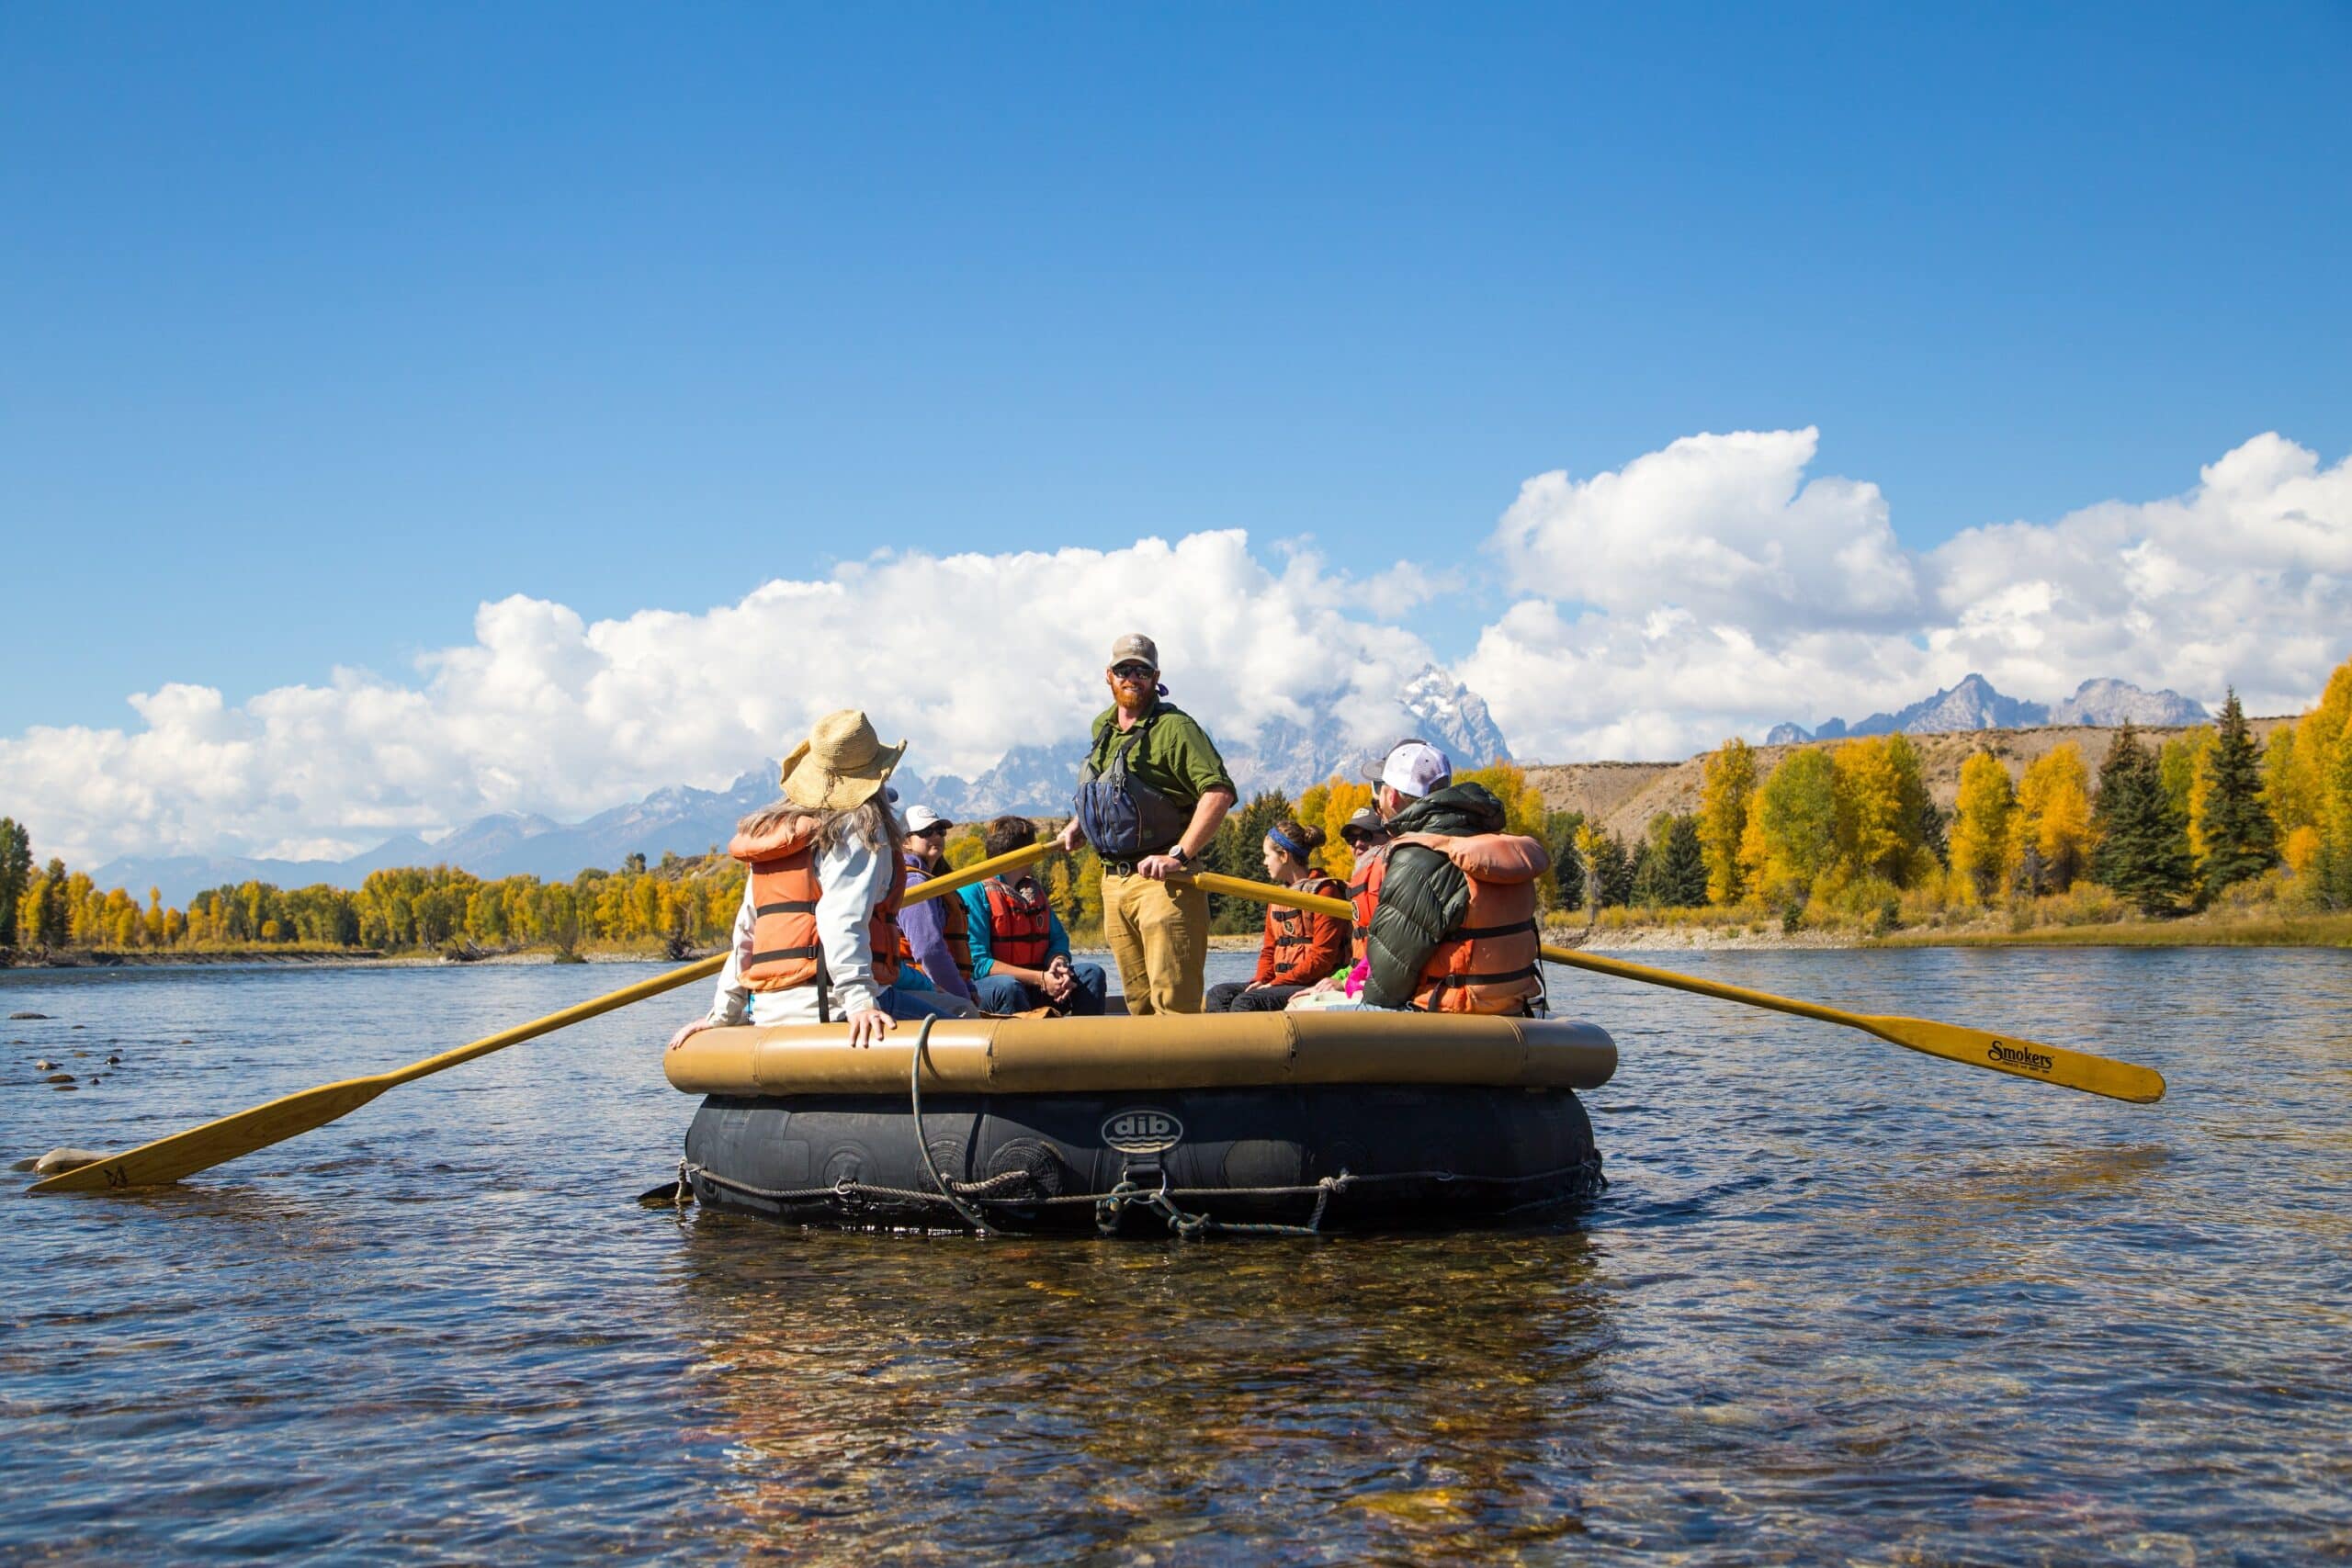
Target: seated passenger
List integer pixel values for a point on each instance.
(1300, 948)
(1019, 951)
(1366, 837)
(1453, 925)
(932, 933)
(817, 936)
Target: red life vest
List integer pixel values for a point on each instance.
(1372, 866)
(786, 951)
(955, 924)
(1021, 922)
(1492, 961)
(1290, 936)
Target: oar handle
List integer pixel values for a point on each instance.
(1267, 893)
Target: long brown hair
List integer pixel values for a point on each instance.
(871, 823)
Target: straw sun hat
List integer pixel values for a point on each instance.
(841, 764)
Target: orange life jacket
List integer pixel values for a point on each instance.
(785, 951)
(953, 924)
(1492, 961)
(1290, 935)
(1021, 922)
(1372, 866)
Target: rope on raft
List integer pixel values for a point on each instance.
(1160, 1201)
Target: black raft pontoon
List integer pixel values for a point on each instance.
(1287, 1121)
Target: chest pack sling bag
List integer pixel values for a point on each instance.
(1124, 817)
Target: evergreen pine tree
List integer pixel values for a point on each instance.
(2142, 852)
(1567, 866)
(1644, 890)
(2240, 839)
(1683, 880)
(15, 876)
(1613, 869)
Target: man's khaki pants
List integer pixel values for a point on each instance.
(1159, 933)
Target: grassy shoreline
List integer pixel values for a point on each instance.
(2232, 928)
(2258, 927)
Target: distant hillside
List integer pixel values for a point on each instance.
(1625, 796)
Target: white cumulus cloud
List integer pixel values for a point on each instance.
(967, 655)
(1712, 589)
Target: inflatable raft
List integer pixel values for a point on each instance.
(1269, 1122)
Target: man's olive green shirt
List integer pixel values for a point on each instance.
(1175, 755)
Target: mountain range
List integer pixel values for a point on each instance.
(1975, 705)
(1289, 755)
(1036, 780)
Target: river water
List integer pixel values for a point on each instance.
(1839, 1303)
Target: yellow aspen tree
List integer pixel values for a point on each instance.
(1797, 811)
(2053, 816)
(1881, 795)
(1587, 843)
(1727, 788)
(1980, 828)
(2336, 825)
(2299, 789)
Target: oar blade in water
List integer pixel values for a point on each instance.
(217, 1143)
(2021, 1058)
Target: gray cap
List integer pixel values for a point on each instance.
(1134, 645)
(1365, 820)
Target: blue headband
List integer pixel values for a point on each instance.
(1278, 836)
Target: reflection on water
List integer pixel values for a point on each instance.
(1159, 1393)
(1839, 1302)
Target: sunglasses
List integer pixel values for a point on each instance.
(1134, 672)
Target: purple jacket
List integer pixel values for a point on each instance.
(926, 927)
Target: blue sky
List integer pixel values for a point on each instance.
(325, 324)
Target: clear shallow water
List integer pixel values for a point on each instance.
(1841, 1302)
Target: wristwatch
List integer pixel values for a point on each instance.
(1181, 857)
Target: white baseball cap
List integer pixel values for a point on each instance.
(923, 818)
(1412, 768)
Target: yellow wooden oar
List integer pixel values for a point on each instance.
(215, 1143)
(1952, 1042)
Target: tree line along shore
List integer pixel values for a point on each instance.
(2208, 835)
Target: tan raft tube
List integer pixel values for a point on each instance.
(1076, 1056)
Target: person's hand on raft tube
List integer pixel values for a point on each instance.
(867, 1026)
(686, 1032)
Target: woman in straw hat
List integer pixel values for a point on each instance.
(817, 938)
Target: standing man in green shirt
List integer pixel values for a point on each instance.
(1152, 795)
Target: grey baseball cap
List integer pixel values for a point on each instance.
(1134, 645)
